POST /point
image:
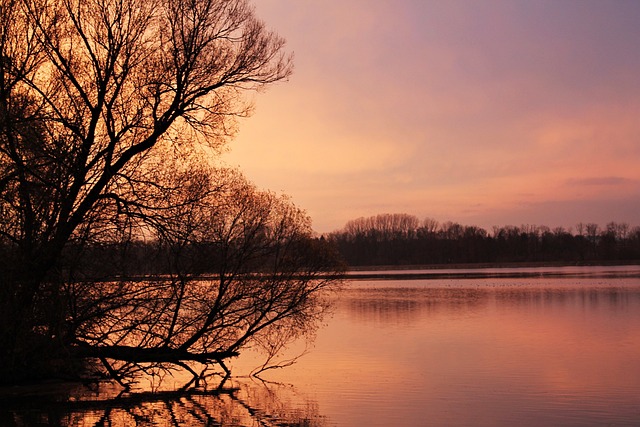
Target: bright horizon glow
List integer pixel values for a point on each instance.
(484, 113)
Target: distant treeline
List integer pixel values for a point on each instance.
(402, 239)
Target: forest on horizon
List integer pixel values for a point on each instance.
(394, 240)
(403, 239)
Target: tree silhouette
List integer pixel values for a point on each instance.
(400, 239)
(264, 288)
(97, 97)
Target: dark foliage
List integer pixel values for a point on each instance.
(401, 239)
(110, 114)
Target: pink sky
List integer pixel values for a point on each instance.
(481, 112)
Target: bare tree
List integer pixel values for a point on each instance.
(266, 285)
(430, 226)
(88, 89)
(383, 226)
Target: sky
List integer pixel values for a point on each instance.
(481, 112)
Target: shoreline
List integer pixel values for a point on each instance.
(506, 264)
(485, 270)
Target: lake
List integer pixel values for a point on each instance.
(490, 347)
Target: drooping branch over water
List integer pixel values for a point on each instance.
(266, 280)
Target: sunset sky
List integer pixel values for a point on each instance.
(481, 112)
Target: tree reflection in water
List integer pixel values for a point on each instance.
(406, 305)
(244, 403)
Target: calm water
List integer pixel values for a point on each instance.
(526, 347)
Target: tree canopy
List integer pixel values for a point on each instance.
(110, 111)
(402, 239)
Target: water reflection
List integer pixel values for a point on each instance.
(370, 302)
(490, 352)
(245, 403)
(456, 352)
(406, 305)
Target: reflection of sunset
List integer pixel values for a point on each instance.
(496, 347)
(485, 351)
(246, 403)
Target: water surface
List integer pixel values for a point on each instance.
(526, 347)
(556, 347)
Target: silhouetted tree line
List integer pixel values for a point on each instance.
(402, 239)
(142, 260)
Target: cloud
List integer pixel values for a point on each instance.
(449, 109)
(604, 181)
